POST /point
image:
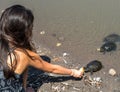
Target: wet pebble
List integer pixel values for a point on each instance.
(2, 11)
(117, 79)
(54, 35)
(61, 38)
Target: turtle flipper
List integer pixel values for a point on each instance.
(91, 72)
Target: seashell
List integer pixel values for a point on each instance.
(65, 54)
(58, 44)
(112, 72)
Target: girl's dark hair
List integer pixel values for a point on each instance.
(16, 24)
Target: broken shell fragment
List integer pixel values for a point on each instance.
(98, 79)
(58, 44)
(42, 32)
(65, 54)
(112, 72)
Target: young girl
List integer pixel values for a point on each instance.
(17, 52)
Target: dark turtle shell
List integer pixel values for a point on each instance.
(93, 66)
(112, 38)
(108, 46)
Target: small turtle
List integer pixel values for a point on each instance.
(107, 47)
(93, 66)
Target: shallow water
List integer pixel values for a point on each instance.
(80, 25)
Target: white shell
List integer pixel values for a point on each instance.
(112, 72)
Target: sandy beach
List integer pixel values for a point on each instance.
(69, 32)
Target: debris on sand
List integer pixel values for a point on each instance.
(58, 44)
(112, 72)
(56, 59)
(42, 32)
(95, 81)
(65, 54)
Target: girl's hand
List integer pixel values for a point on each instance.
(77, 73)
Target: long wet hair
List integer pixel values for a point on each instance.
(16, 24)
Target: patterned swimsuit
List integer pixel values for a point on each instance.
(11, 85)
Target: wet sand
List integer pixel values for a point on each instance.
(80, 26)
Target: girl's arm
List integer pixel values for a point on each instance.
(39, 63)
(24, 61)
